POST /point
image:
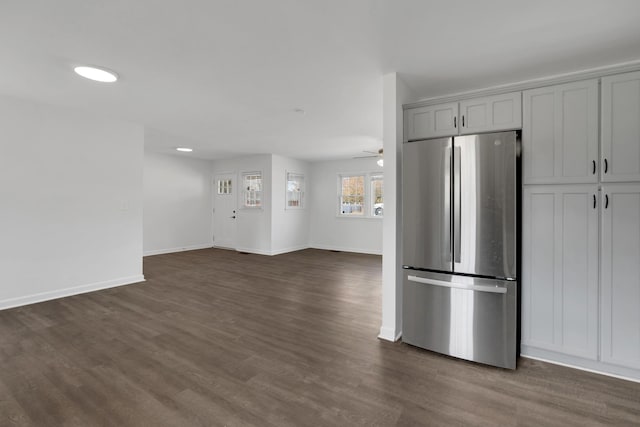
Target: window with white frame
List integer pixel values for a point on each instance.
(361, 195)
(376, 184)
(295, 191)
(351, 195)
(252, 189)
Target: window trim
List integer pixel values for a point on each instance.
(368, 205)
(302, 191)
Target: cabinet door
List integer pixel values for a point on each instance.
(621, 275)
(560, 134)
(621, 128)
(431, 121)
(491, 113)
(560, 269)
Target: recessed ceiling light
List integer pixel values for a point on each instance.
(96, 74)
(185, 149)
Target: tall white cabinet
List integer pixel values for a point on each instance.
(581, 224)
(620, 279)
(560, 269)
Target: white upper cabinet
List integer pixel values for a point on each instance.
(621, 128)
(491, 113)
(560, 134)
(620, 281)
(560, 269)
(431, 122)
(487, 114)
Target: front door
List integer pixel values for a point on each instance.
(224, 211)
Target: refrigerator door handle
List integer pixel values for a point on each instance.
(479, 288)
(446, 229)
(457, 203)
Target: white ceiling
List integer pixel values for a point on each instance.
(225, 76)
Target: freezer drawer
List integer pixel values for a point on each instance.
(466, 317)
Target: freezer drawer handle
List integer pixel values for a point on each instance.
(480, 288)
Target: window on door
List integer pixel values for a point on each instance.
(224, 186)
(252, 189)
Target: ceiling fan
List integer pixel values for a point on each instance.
(377, 154)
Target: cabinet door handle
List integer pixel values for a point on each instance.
(454, 122)
(606, 201)
(462, 121)
(594, 166)
(606, 166)
(594, 201)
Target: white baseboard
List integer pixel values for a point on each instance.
(388, 334)
(67, 292)
(179, 249)
(302, 247)
(254, 251)
(345, 249)
(579, 363)
(271, 253)
(287, 250)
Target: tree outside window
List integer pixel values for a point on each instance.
(352, 195)
(361, 195)
(377, 195)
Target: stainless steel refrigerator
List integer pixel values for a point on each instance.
(460, 246)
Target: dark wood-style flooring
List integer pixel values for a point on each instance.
(221, 338)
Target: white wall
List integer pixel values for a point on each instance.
(177, 203)
(328, 230)
(253, 226)
(71, 202)
(395, 93)
(289, 227)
